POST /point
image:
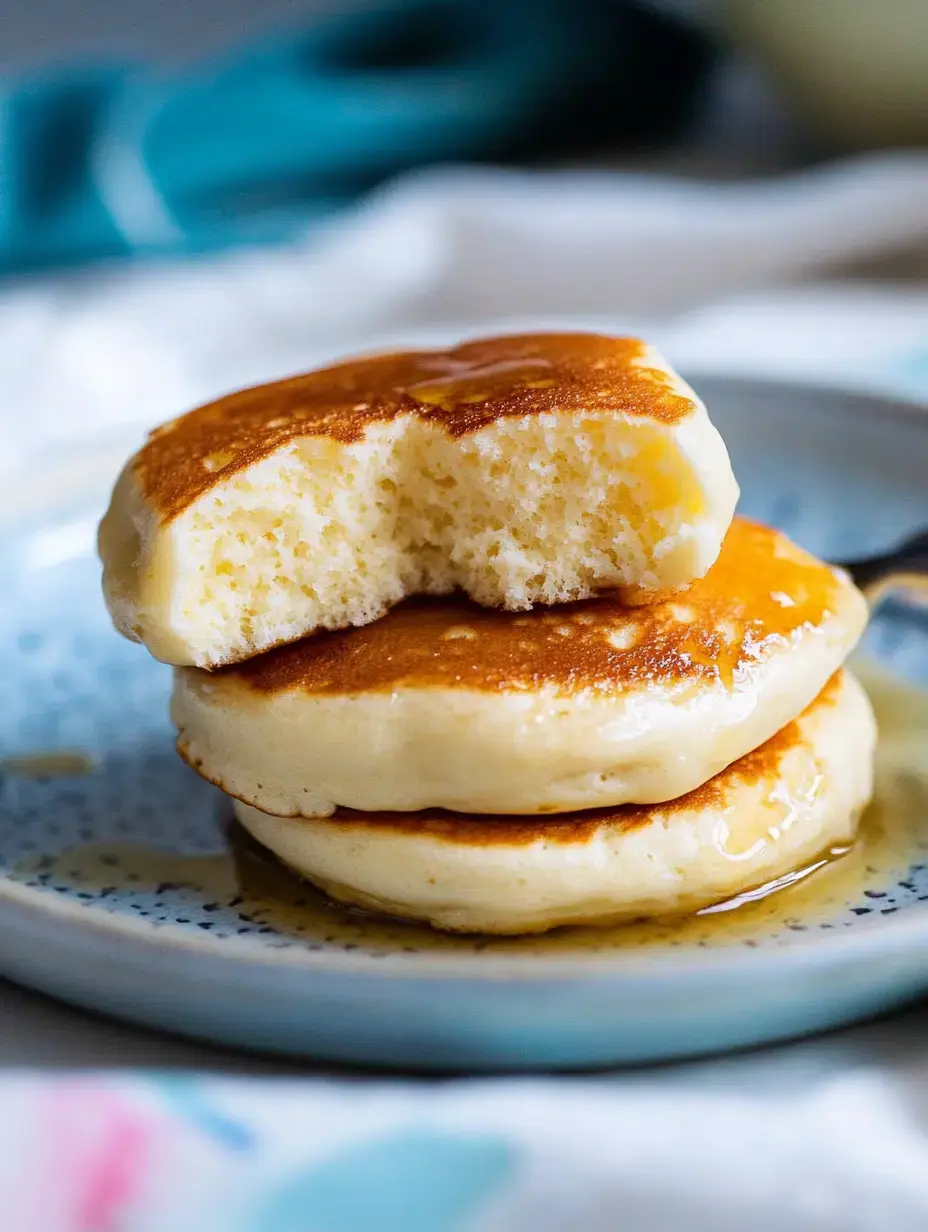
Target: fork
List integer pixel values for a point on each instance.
(902, 569)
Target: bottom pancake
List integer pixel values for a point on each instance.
(774, 811)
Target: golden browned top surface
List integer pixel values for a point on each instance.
(761, 590)
(485, 830)
(464, 388)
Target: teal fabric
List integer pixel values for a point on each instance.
(107, 160)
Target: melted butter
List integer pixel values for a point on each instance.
(471, 383)
(893, 836)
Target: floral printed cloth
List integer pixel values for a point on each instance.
(158, 1154)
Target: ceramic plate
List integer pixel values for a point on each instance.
(124, 888)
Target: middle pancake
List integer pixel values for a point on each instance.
(443, 704)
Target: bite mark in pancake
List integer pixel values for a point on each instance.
(464, 388)
(761, 587)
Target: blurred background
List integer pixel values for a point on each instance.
(199, 194)
(135, 127)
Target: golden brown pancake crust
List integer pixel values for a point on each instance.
(762, 587)
(486, 830)
(464, 389)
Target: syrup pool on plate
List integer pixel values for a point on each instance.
(239, 888)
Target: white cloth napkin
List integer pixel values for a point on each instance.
(803, 1139)
(442, 253)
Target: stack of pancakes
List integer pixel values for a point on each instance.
(472, 637)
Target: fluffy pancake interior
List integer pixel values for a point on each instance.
(773, 811)
(518, 475)
(446, 704)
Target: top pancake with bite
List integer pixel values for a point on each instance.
(535, 469)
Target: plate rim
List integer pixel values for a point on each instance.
(814, 949)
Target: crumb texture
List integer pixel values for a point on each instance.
(463, 389)
(762, 593)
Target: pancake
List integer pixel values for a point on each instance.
(527, 470)
(448, 705)
(775, 811)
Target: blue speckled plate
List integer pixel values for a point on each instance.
(124, 889)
